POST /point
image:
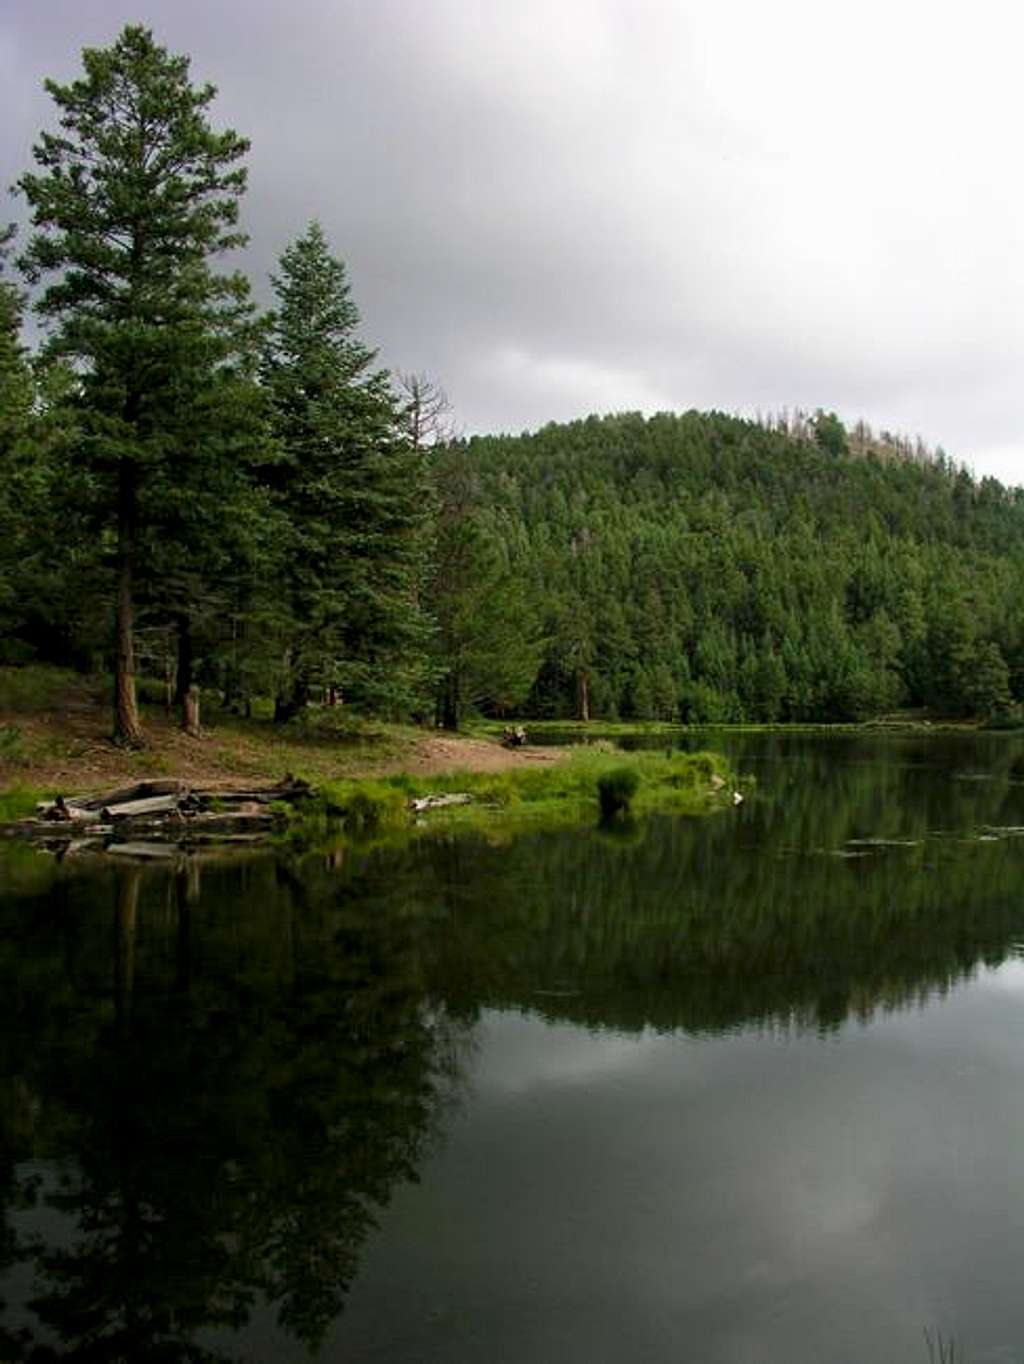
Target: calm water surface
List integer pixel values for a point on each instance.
(732, 1091)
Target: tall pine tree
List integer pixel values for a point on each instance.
(133, 198)
(351, 488)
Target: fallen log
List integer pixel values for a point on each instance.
(165, 813)
(292, 788)
(142, 790)
(60, 811)
(422, 803)
(134, 809)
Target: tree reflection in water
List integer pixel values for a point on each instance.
(214, 1077)
(242, 1093)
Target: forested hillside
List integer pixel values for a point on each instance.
(706, 568)
(197, 492)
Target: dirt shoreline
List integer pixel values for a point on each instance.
(66, 748)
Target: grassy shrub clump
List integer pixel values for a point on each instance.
(616, 789)
(364, 806)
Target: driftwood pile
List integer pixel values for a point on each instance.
(152, 815)
(156, 819)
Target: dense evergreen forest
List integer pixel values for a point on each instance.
(704, 568)
(223, 499)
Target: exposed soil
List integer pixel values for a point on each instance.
(433, 754)
(66, 747)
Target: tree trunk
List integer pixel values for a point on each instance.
(288, 704)
(168, 683)
(127, 727)
(190, 713)
(582, 696)
(185, 661)
(450, 707)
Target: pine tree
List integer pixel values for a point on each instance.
(16, 397)
(133, 198)
(351, 488)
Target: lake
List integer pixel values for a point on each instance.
(738, 1090)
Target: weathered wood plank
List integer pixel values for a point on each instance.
(421, 803)
(132, 809)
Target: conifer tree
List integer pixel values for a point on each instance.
(132, 199)
(16, 394)
(352, 492)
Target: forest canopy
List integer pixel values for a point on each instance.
(249, 502)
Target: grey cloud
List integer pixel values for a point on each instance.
(602, 205)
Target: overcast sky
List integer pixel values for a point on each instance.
(564, 206)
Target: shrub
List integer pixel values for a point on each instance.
(616, 789)
(33, 689)
(364, 805)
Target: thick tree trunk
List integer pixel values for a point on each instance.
(127, 727)
(288, 704)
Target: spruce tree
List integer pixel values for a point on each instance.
(132, 199)
(352, 493)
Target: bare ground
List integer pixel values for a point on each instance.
(64, 745)
(433, 754)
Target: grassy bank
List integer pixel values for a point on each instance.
(54, 729)
(588, 786)
(563, 793)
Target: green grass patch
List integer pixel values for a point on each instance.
(663, 780)
(19, 801)
(363, 806)
(566, 792)
(504, 804)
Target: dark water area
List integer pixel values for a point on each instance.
(735, 1090)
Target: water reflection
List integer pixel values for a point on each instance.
(215, 1078)
(226, 1088)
